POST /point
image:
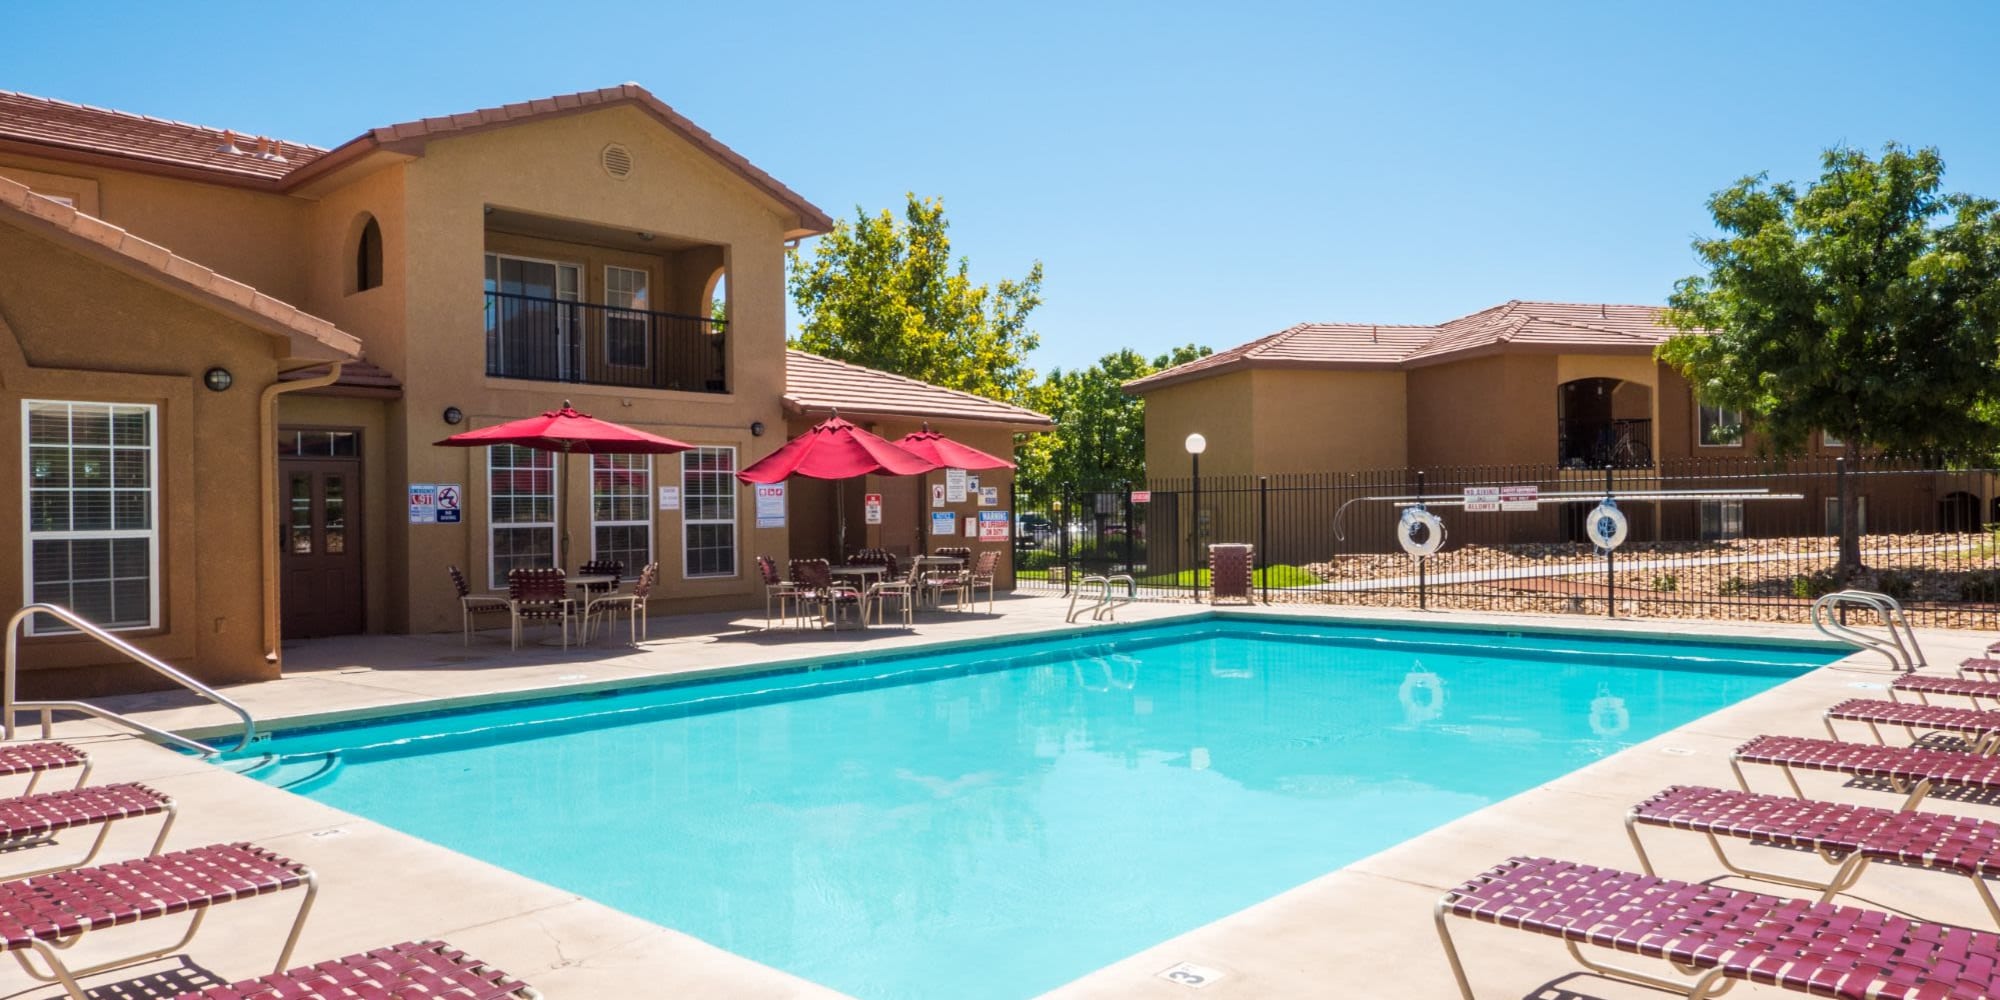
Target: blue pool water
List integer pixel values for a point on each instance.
(993, 822)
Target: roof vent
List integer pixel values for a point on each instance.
(228, 143)
(1601, 313)
(267, 149)
(616, 160)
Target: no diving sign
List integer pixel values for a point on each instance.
(447, 503)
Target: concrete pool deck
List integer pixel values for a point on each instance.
(1363, 930)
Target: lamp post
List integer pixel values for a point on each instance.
(1196, 444)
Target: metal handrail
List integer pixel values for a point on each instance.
(9, 705)
(1902, 656)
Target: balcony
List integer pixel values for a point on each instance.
(1585, 443)
(558, 340)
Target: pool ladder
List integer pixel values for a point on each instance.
(1106, 607)
(1900, 647)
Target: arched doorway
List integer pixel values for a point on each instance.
(1604, 421)
(1958, 511)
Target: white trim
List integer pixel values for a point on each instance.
(151, 534)
(735, 504)
(494, 257)
(646, 322)
(1700, 438)
(645, 498)
(1829, 441)
(496, 581)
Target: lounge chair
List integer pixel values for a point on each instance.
(1907, 770)
(1230, 570)
(37, 759)
(539, 595)
(1979, 666)
(48, 914)
(472, 605)
(29, 819)
(409, 971)
(1718, 935)
(1926, 685)
(1982, 729)
(1847, 836)
(632, 603)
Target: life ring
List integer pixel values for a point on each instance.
(1431, 705)
(1607, 526)
(1406, 532)
(1608, 715)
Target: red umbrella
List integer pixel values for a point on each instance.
(837, 450)
(567, 431)
(945, 453)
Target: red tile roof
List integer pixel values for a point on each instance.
(1535, 326)
(57, 127)
(357, 378)
(814, 384)
(307, 335)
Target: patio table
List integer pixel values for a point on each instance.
(588, 584)
(933, 595)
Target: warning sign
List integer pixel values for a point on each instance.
(447, 503)
(423, 503)
(871, 507)
(1520, 497)
(1482, 498)
(992, 525)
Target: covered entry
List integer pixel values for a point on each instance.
(321, 572)
(1604, 422)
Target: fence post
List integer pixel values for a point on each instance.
(1850, 536)
(1062, 533)
(1610, 561)
(1013, 529)
(1264, 532)
(1131, 528)
(1423, 583)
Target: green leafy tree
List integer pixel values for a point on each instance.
(1867, 305)
(886, 293)
(1100, 433)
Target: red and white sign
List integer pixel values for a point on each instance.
(871, 507)
(1141, 496)
(1520, 497)
(1482, 498)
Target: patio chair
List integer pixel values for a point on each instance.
(412, 970)
(1848, 837)
(1230, 568)
(814, 578)
(953, 578)
(985, 573)
(48, 914)
(602, 567)
(632, 603)
(1981, 729)
(472, 605)
(904, 589)
(1925, 685)
(1906, 770)
(1720, 935)
(37, 759)
(34, 820)
(778, 588)
(539, 595)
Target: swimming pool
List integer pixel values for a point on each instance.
(992, 822)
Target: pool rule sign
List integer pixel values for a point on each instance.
(871, 508)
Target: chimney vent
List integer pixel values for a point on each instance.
(1601, 311)
(267, 149)
(228, 143)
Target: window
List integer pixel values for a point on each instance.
(93, 544)
(318, 444)
(1721, 519)
(531, 318)
(1827, 440)
(1833, 515)
(626, 339)
(708, 511)
(521, 512)
(621, 526)
(368, 257)
(1721, 427)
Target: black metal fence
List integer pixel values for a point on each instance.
(554, 340)
(1748, 539)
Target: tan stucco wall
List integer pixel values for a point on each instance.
(1341, 420)
(82, 331)
(1219, 409)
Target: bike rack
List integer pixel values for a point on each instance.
(1905, 656)
(9, 705)
(1106, 606)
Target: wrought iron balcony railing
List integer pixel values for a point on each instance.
(1594, 444)
(553, 340)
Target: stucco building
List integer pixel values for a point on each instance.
(195, 474)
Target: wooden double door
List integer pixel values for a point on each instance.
(320, 555)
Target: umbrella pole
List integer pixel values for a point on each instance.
(840, 507)
(562, 513)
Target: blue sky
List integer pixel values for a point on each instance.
(1185, 172)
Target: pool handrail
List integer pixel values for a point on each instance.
(1906, 657)
(9, 704)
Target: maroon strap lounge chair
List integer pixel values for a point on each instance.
(34, 817)
(428, 970)
(1905, 769)
(1982, 729)
(1925, 685)
(1980, 666)
(47, 914)
(37, 759)
(1718, 935)
(1847, 836)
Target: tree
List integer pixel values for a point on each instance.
(886, 294)
(1867, 306)
(1100, 434)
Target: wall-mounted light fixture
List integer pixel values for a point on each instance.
(644, 235)
(756, 428)
(217, 379)
(454, 416)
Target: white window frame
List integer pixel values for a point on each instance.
(1827, 440)
(492, 281)
(1727, 516)
(495, 579)
(151, 533)
(645, 331)
(735, 503)
(645, 496)
(1700, 431)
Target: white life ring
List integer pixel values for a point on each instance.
(1406, 532)
(1608, 715)
(1428, 707)
(1607, 526)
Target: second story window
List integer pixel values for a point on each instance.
(627, 326)
(368, 256)
(1720, 427)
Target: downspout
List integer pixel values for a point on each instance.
(267, 416)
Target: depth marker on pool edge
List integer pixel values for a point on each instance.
(1190, 975)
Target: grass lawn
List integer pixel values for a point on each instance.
(1280, 575)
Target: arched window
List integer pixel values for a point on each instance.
(368, 256)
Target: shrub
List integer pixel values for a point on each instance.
(1732, 587)
(1900, 586)
(1666, 583)
(1815, 585)
(1983, 586)
(1034, 559)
